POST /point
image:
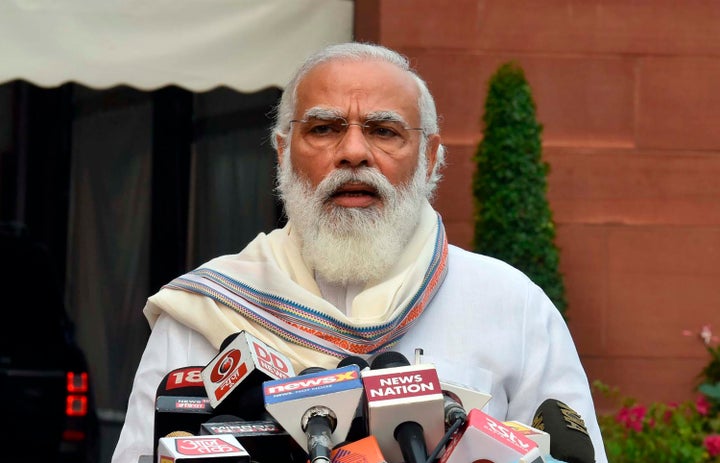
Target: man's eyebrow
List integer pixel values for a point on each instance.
(319, 112)
(385, 116)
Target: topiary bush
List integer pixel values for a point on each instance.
(513, 220)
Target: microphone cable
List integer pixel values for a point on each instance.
(445, 439)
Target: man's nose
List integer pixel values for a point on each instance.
(354, 150)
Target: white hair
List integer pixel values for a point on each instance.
(356, 51)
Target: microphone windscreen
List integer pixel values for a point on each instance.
(358, 428)
(309, 370)
(353, 360)
(265, 440)
(389, 359)
(179, 434)
(228, 340)
(181, 403)
(182, 382)
(233, 378)
(569, 438)
(454, 409)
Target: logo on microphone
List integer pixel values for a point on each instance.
(204, 446)
(293, 384)
(225, 365)
(227, 372)
(184, 377)
(192, 448)
(271, 361)
(401, 384)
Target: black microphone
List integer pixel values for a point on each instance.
(353, 360)
(389, 359)
(233, 378)
(453, 410)
(264, 439)
(455, 417)
(484, 438)
(405, 407)
(317, 408)
(569, 438)
(184, 447)
(308, 370)
(358, 427)
(181, 404)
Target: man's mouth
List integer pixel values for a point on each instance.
(355, 195)
(357, 189)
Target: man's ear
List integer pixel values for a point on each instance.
(431, 150)
(280, 142)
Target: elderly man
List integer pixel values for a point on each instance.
(363, 265)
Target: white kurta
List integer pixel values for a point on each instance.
(488, 326)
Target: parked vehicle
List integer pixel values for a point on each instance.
(45, 383)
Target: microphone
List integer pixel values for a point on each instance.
(308, 370)
(192, 449)
(541, 438)
(453, 410)
(483, 438)
(404, 407)
(365, 450)
(354, 360)
(243, 359)
(181, 404)
(455, 416)
(569, 438)
(469, 396)
(324, 401)
(358, 427)
(389, 359)
(265, 440)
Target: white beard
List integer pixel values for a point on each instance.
(352, 245)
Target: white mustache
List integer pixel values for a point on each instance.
(365, 175)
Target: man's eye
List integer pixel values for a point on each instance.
(382, 131)
(323, 128)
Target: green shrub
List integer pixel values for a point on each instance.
(513, 220)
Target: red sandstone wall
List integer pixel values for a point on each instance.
(628, 93)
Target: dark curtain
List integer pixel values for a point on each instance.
(129, 189)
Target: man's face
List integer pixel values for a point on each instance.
(354, 205)
(357, 92)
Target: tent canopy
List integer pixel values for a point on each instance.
(245, 45)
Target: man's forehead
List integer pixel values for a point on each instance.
(358, 89)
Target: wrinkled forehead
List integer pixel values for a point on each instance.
(357, 90)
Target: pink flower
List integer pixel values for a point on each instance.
(712, 444)
(632, 417)
(702, 405)
(706, 334)
(669, 411)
